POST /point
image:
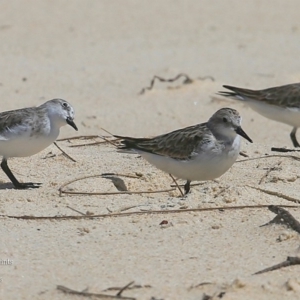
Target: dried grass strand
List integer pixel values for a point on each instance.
(277, 194)
(62, 191)
(150, 212)
(64, 153)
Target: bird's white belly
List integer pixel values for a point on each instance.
(206, 166)
(276, 113)
(25, 146)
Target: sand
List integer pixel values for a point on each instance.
(98, 55)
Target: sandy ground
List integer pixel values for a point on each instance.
(98, 55)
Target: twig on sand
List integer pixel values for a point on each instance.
(277, 194)
(107, 131)
(243, 154)
(105, 141)
(132, 287)
(290, 261)
(103, 296)
(274, 168)
(192, 184)
(187, 80)
(176, 184)
(148, 212)
(124, 288)
(112, 142)
(269, 156)
(64, 153)
(104, 175)
(284, 150)
(199, 285)
(81, 213)
(91, 137)
(284, 216)
(79, 137)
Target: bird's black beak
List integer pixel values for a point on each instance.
(242, 133)
(71, 123)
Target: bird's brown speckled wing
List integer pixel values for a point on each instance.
(284, 96)
(178, 144)
(10, 119)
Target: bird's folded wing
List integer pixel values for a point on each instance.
(179, 144)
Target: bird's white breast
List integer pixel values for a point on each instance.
(209, 164)
(21, 141)
(290, 116)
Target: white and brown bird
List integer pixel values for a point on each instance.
(280, 103)
(200, 152)
(27, 131)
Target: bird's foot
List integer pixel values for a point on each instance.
(27, 185)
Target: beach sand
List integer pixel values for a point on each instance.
(98, 55)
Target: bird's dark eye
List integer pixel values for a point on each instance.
(225, 120)
(65, 104)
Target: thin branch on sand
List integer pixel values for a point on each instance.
(81, 213)
(95, 143)
(79, 137)
(106, 139)
(274, 168)
(148, 212)
(284, 150)
(187, 80)
(290, 261)
(269, 156)
(283, 216)
(103, 296)
(64, 153)
(104, 175)
(176, 184)
(277, 194)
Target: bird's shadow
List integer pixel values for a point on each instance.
(6, 186)
(10, 186)
(118, 183)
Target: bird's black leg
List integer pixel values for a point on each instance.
(293, 137)
(16, 183)
(187, 187)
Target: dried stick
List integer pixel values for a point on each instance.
(269, 156)
(150, 212)
(81, 213)
(243, 154)
(285, 216)
(136, 286)
(176, 184)
(107, 131)
(119, 174)
(192, 184)
(284, 150)
(124, 288)
(116, 193)
(62, 191)
(95, 143)
(64, 153)
(80, 137)
(199, 285)
(101, 137)
(187, 80)
(290, 261)
(88, 137)
(109, 141)
(86, 294)
(269, 171)
(280, 195)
